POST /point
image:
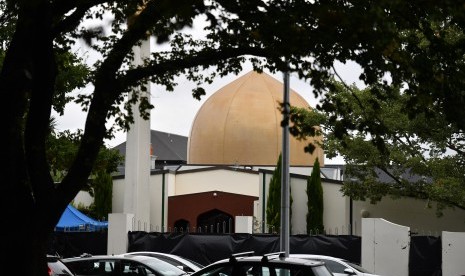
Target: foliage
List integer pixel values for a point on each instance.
(416, 43)
(273, 202)
(315, 205)
(103, 190)
(387, 152)
(62, 148)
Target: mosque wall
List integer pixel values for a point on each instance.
(411, 212)
(83, 198)
(118, 195)
(335, 205)
(230, 181)
(158, 189)
(335, 214)
(171, 182)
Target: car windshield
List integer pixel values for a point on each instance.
(193, 262)
(57, 268)
(172, 259)
(358, 268)
(163, 267)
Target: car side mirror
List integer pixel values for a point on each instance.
(349, 271)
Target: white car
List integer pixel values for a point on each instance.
(130, 265)
(273, 264)
(185, 264)
(338, 266)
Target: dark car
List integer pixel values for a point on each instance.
(56, 267)
(120, 265)
(274, 264)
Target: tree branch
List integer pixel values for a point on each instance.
(208, 57)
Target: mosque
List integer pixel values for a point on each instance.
(217, 179)
(216, 173)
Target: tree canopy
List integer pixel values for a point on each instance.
(388, 153)
(418, 44)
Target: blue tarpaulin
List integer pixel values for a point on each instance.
(72, 220)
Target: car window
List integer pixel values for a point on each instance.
(334, 266)
(186, 264)
(173, 262)
(135, 269)
(321, 271)
(57, 268)
(264, 270)
(163, 268)
(93, 267)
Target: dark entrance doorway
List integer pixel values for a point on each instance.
(215, 221)
(181, 225)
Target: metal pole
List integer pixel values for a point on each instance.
(285, 191)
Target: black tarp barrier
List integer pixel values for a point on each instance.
(425, 256)
(208, 248)
(72, 244)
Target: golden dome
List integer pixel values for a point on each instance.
(241, 124)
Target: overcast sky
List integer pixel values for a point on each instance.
(174, 111)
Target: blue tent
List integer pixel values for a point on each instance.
(72, 220)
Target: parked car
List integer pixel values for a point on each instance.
(185, 264)
(274, 264)
(119, 265)
(338, 266)
(56, 267)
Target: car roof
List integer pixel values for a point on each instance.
(155, 254)
(152, 262)
(185, 261)
(351, 264)
(277, 257)
(53, 257)
(110, 257)
(314, 256)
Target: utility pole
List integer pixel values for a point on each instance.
(285, 191)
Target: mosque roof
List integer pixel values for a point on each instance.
(165, 146)
(241, 124)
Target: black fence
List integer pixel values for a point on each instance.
(424, 258)
(72, 244)
(208, 248)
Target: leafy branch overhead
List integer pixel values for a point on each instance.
(387, 152)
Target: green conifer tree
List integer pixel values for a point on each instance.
(103, 192)
(315, 201)
(273, 203)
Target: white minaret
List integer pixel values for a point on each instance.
(137, 162)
